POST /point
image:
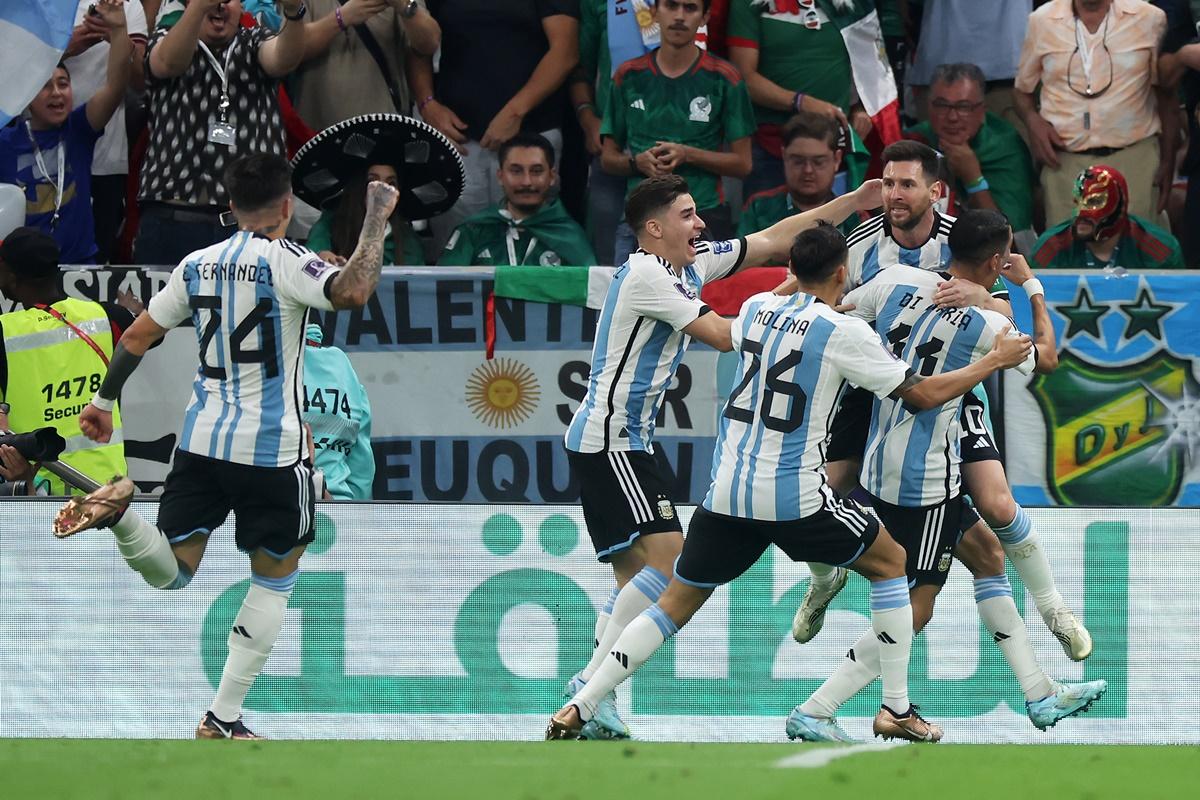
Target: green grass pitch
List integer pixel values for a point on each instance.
(563, 770)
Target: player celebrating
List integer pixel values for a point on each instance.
(769, 482)
(911, 232)
(242, 446)
(652, 311)
(911, 464)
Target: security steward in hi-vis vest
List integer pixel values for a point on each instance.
(53, 355)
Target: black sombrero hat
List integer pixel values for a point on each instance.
(431, 171)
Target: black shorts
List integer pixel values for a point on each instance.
(718, 548)
(624, 496)
(975, 441)
(928, 535)
(274, 505)
(851, 423)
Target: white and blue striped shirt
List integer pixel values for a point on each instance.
(873, 248)
(639, 344)
(248, 298)
(912, 460)
(796, 356)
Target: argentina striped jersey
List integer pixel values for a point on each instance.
(639, 344)
(248, 298)
(912, 459)
(796, 356)
(872, 248)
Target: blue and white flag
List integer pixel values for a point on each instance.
(33, 36)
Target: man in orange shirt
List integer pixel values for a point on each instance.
(1101, 99)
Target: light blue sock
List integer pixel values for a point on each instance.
(1016, 531)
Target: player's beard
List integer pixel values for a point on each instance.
(914, 218)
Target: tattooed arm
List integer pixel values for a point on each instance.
(354, 285)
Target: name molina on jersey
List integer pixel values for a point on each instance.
(771, 320)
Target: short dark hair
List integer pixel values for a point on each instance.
(817, 253)
(706, 3)
(909, 150)
(524, 139)
(953, 73)
(811, 125)
(258, 180)
(977, 235)
(650, 197)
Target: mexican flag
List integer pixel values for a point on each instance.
(588, 286)
(575, 286)
(858, 22)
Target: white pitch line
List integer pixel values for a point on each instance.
(820, 758)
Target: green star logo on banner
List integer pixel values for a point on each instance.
(1145, 315)
(1083, 316)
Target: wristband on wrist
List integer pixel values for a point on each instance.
(1033, 287)
(102, 403)
(798, 101)
(421, 105)
(582, 106)
(341, 23)
(978, 185)
(633, 167)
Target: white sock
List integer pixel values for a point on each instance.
(993, 598)
(637, 642)
(1021, 544)
(822, 574)
(855, 673)
(250, 642)
(148, 552)
(892, 623)
(634, 598)
(602, 619)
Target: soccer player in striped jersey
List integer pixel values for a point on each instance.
(242, 447)
(910, 467)
(769, 484)
(912, 233)
(651, 313)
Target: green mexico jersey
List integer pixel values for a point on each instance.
(594, 58)
(1143, 245)
(548, 238)
(799, 59)
(704, 107)
(766, 208)
(1005, 162)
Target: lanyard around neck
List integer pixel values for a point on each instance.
(222, 72)
(59, 180)
(1087, 49)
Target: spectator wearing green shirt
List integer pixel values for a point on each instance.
(988, 160)
(527, 228)
(670, 112)
(335, 234)
(811, 159)
(1103, 233)
(607, 39)
(794, 59)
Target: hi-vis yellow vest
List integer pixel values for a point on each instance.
(52, 374)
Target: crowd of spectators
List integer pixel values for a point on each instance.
(759, 103)
(1075, 118)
